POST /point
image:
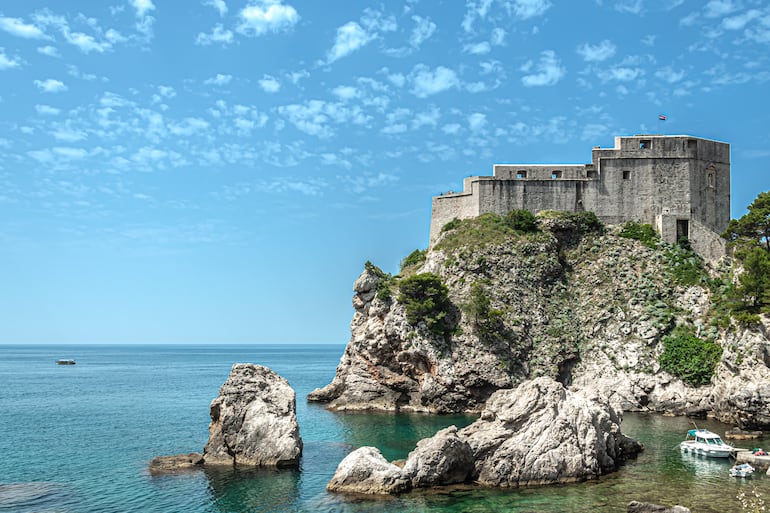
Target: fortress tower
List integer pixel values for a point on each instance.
(677, 183)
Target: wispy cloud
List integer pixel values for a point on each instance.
(8, 62)
(423, 29)
(49, 51)
(669, 75)
(350, 37)
(525, 9)
(47, 110)
(597, 53)
(548, 71)
(218, 80)
(266, 16)
(51, 85)
(219, 34)
(719, 8)
(630, 6)
(19, 28)
(219, 5)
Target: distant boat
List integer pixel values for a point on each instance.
(65, 362)
(705, 443)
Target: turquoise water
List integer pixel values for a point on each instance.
(77, 439)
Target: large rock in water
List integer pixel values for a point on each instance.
(541, 433)
(253, 421)
(538, 434)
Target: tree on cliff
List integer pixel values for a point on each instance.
(754, 227)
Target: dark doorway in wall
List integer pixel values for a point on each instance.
(682, 229)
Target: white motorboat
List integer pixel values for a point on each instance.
(705, 443)
(742, 470)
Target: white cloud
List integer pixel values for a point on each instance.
(70, 153)
(525, 9)
(623, 74)
(86, 43)
(497, 37)
(50, 85)
(142, 7)
(426, 82)
(68, 134)
(266, 16)
(219, 5)
(350, 37)
(740, 21)
(597, 53)
(649, 40)
(477, 121)
(719, 8)
(358, 184)
(475, 9)
(218, 35)
(218, 80)
(7, 62)
(423, 30)
(47, 110)
(17, 27)
(548, 71)
(426, 118)
(480, 48)
(669, 75)
(451, 128)
(166, 91)
(630, 6)
(188, 127)
(345, 92)
(49, 51)
(269, 84)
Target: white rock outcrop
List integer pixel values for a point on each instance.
(253, 420)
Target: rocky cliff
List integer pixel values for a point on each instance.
(581, 304)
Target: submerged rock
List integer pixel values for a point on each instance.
(643, 507)
(253, 421)
(538, 434)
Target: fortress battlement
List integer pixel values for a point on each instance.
(680, 184)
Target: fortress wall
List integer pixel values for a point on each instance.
(539, 172)
(627, 191)
(462, 205)
(502, 196)
(706, 242)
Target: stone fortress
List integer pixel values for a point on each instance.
(679, 184)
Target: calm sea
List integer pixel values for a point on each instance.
(78, 439)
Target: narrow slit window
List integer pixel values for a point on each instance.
(710, 179)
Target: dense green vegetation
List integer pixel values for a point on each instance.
(691, 359)
(487, 321)
(384, 290)
(749, 237)
(426, 299)
(414, 259)
(644, 233)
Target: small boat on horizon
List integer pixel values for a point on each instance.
(65, 361)
(703, 442)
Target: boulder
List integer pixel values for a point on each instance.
(443, 459)
(541, 433)
(253, 420)
(366, 471)
(643, 507)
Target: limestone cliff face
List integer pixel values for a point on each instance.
(588, 310)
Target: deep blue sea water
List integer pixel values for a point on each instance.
(78, 439)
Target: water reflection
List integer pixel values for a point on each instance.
(253, 490)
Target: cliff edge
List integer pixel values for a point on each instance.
(494, 303)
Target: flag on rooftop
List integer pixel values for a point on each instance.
(662, 117)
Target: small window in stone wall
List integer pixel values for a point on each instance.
(520, 175)
(710, 179)
(555, 175)
(626, 175)
(591, 174)
(645, 144)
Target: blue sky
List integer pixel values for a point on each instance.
(207, 171)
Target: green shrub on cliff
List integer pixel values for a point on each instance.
(487, 321)
(691, 359)
(644, 233)
(384, 291)
(414, 259)
(426, 300)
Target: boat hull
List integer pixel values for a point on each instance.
(708, 451)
